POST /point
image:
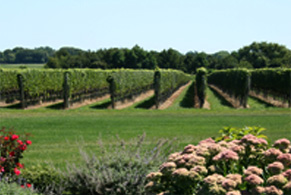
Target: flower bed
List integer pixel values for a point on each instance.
(248, 165)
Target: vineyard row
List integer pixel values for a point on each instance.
(33, 86)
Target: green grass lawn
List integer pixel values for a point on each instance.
(59, 134)
(21, 65)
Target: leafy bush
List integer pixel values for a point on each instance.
(242, 166)
(121, 169)
(232, 133)
(201, 85)
(14, 189)
(45, 179)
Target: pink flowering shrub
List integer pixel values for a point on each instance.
(12, 147)
(249, 165)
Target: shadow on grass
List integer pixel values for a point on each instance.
(58, 106)
(147, 104)
(220, 98)
(13, 106)
(188, 100)
(265, 104)
(103, 105)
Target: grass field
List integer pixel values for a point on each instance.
(21, 65)
(58, 134)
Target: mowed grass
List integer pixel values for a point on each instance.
(58, 135)
(21, 65)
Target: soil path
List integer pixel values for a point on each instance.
(269, 100)
(3, 104)
(30, 107)
(129, 102)
(231, 100)
(43, 104)
(206, 104)
(89, 101)
(172, 98)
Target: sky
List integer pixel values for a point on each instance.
(184, 25)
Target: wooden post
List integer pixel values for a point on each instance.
(20, 81)
(157, 83)
(112, 90)
(66, 90)
(247, 91)
(289, 99)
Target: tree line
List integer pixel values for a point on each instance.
(256, 55)
(20, 55)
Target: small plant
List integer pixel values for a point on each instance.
(15, 189)
(233, 133)
(12, 147)
(45, 179)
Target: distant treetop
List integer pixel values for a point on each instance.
(256, 55)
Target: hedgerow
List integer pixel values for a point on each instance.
(274, 82)
(234, 82)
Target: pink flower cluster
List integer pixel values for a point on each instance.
(227, 168)
(282, 144)
(253, 140)
(226, 155)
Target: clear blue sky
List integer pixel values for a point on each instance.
(185, 25)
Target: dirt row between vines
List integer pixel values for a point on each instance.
(269, 100)
(206, 104)
(229, 99)
(129, 102)
(119, 104)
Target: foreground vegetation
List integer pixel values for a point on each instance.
(120, 166)
(241, 162)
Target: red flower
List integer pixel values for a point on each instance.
(2, 159)
(28, 142)
(6, 138)
(12, 153)
(23, 147)
(16, 171)
(28, 185)
(14, 137)
(22, 186)
(19, 165)
(20, 142)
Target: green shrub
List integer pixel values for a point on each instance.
(45, 179)
(201, 85)
(121, 169)
(14, 189)
(232, 133)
